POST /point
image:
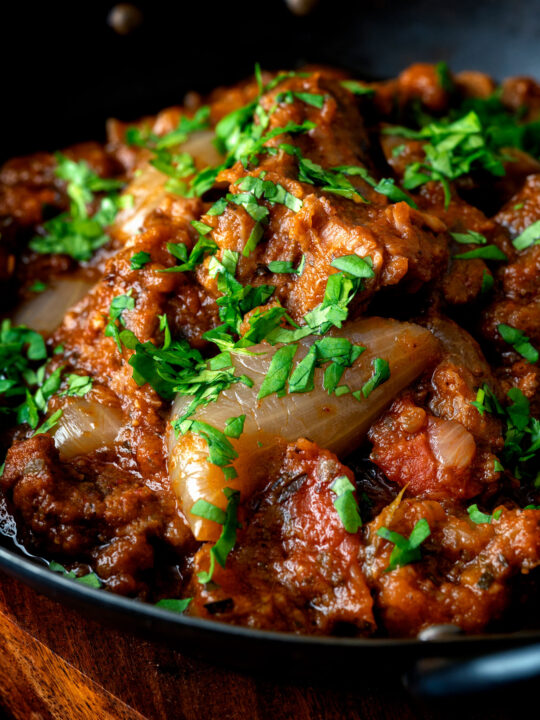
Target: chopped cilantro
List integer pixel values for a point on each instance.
(220, 449)
(355, 265)
(229, 519)
(269, 191)
(471, 237)
(116, 310)
(487, 282)
(278, 372)
(286, 266)
(76, 233)
(479, 517)
(345, 504)
(519, 341)
(530, 236)
(381, 373)
(234, 426)
(90, 579)
(452, 149)
(201, 227)
(522, 431)
(174, 604)
(487, 252)
(406, 550)
(139, 260)
(254, 239)
(78, 385)
(290, 96)
(24, 389)
(49, 424)
(208, 511)
(301, 379)
(357, 88)
(385, 186)
(218, 208)
(444, 77)
(203, 246)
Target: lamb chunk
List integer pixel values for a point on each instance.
(294, 566)
(523, 208)
(466, 573)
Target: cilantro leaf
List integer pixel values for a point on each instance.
(345, 504)
(519, 341)
(78, 385)
(385, 186)
(357, 88)
(208, 511)
(278, 372)
(139, 260)
(301, 379)
(50, 423)
(471, 237)
(487, 283)
(118, 305)
(381, 373)
(452, 148)
(174, 604)
(234, 426)
(76, 233)
(283, 266)
(488, 252)
(221, 451)
(354, 265)
(227, 539)
(406, 550)
(530, 236)
(478, 517)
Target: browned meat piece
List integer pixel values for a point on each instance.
(523, 209)
(91, 510)
(294, 566)
(465, 572)
(522, 92)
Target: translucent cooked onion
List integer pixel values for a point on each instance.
(200, 145)
(86, 426)
(452, 444)
(46, 310)
(337, 423)
(148, 187)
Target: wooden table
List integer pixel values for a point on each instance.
(57, 665)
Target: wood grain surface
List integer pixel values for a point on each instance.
(57, 665)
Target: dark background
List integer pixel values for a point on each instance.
(65, 70)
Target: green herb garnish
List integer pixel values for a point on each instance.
(174, 604)
(406, 550)
(519, 341)
(478, 517)
(345, 504)
(227, 539)
(530, 236)
(487, 252)
(76, 233)
(139, 260)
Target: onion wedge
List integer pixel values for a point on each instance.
(148, 186)
(339, 424)
(45, 311)
(86, 426)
